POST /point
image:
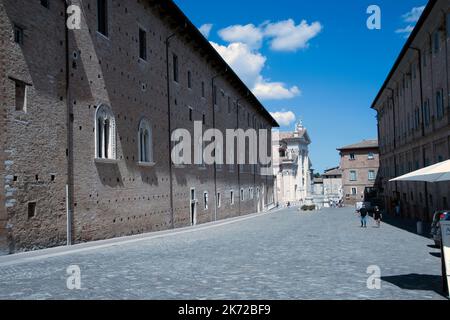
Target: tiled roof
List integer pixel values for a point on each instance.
(365, 144)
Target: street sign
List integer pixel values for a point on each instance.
(445, 229)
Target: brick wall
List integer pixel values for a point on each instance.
(123, 197)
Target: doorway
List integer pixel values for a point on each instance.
(193, 207)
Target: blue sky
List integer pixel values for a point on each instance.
(326, 71)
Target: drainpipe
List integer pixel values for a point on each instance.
(214, 94)
(238, 165)
(395, 138)
(172, 216)
(423, 120)
(69, 137)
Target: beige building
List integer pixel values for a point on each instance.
(86, 118)
(332, 185)
(292, 166)
(359, 165)
(413, 113)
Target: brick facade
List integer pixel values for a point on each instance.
(414, 116)
(52, 144)
(359, 165)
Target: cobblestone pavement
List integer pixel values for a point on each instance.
(281, 255)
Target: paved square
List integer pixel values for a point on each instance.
(281, 255)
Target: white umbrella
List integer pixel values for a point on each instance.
(435, 173)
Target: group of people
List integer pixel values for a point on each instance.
(364, 213)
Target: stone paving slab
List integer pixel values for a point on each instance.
(282, 255)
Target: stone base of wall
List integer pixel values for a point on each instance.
(3, 239)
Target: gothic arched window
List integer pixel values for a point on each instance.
(105, 133)
(145, 142)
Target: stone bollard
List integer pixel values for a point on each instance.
(420, 227)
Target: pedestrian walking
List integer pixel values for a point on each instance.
(377, 216)
(363, 215)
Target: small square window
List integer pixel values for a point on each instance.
(45, 3)
(31, 209)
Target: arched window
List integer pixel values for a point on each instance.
(145, 142)
(105, 133)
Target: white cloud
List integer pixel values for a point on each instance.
(411, 18)
(284, 118)
(266, 90)
(248, 34)
(413, 15)
(206, 29)
(286, 36)
(245, 62)
(408, 29)
(243, 55)
(248, 64)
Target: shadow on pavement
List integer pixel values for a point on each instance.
(409, 225)
(436, 254)
(417, 282)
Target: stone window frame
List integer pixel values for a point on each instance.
(105, 114)
(145, 141)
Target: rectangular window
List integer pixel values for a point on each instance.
(142, 44)
(439, 104)
(219, 200)
(354, 191)
(232, 197)
(31, 209)
(189, 79)
(190, 114)
(242, 195)
(175, 68)
(436, 42)
(18, 35)
(102, 16)
(370, 156)
(353, 176)
(45, 3)
(205, 200)
(371, 175)
(426, 112)
(203, 89)
(448, 24)
(21, 96)
(352, 156)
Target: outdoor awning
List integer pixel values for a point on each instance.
(435, 173)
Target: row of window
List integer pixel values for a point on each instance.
(413, 121)
(105, 132)
(354, 175)
(251, 196)
(370, 156)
